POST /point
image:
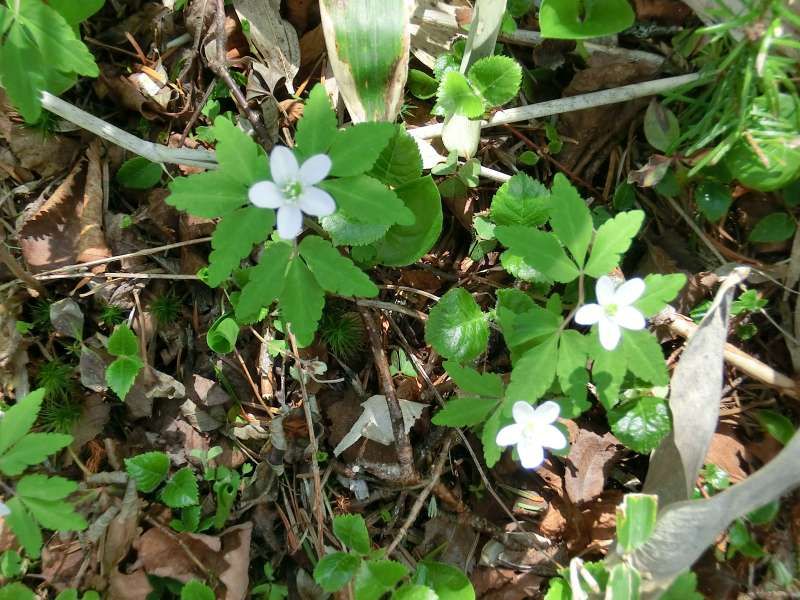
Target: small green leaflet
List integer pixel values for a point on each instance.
(16, 591)
(661, 128)
(18, 420)
(25, 528)
(368, 200)
(613, 238)
(181, 491)
(76, 13)
(197, 590)
(571, 367)
(376, 577)
(776, 227)
(210, 194)
(521, 201)
(352, 532)
(421, 85)
(301, 302)
(464, 412)
(496, 78)
(347, 231)
(234, 238)
(644, 357)
(456, 96)
(317, 129)
(570, 218)
(641, 423)
(636, 520)
(533, 374)
(265, 282)
(623, 583)
(334, 272)
(608, 373)
(534, 324)
(400, 161)
(457, 328)
(121, 374)
(239, 157)
(541, 250)
(123, 342)
(334, 570)
(491, 451)
(148, 470)
(489, 385)
(658, 291)
(572, 20)
(139, 173)
(355, 149)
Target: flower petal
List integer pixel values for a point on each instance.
(509, 435)
(315, 169)
(283, 165)
(609, 333)
(552, 437)
(547, 412)
(589, 314)
(265, 194)
(317, 202)
(629, 318)
(531, 453)
(4, 510)
(629, 292)
(290, 222)
(522, 411)
(604, 290)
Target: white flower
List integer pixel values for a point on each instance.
(613, 310)
(292, 190)
(4, 510)
(532, 432)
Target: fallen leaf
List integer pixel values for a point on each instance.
(93, 419)
(122, 532)
(135, 586)
(588, 464)
(491, 583)
(151, 384)
(376, 425)
(13, 356)
(66, 317)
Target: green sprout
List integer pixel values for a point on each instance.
(111, 315)
(60, 416)
(343, 332)
(165, 308)
(56, 379)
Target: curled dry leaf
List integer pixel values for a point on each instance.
(591, 458)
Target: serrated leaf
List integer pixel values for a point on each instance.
(301, 302)
(352, 532)
(496, 78)
(534, 324)
(608, 373)
(406, 244)
(571, 20)
(123, 342)
(457, 328)
(636, 519)
(415, 592)
(368, 200)
(464, 412)
(644, 357)
(347, 231)
(57, 515)
(238, 155)
(491, 451)
(139, 173)
(32, 449)
(76, 12)
(197, 590)
(540, 249)
(265, 283)
(148, 470)
(354, 150)
(489, 385)
(23, 78)
(456, 97)
(521, 201)
(318, 127)
(234, 238)
(570, 218)
(210, 194)
(571, 366)
(45, 488)
(519, 268)
(121, 374)
(641, 424)
(18, 420)
(334, 272)
(25, 528)
(659, 290)
(534, 372)
(400, 161)
(181, 490)
(333, 571)
(613, 238)
(377, 577)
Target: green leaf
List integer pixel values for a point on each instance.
(465, 412)
(239, 157)
(608, 373)
(636, 520)
(222, 335)
(457, 328)
(265, 283)
(10, 564)
(197, 590)
(559, 590)
(23, 73)
(491, 451)
(447, 581)
(234, 238)
(571, 366)
(334, 272)
(123, 342)
(301, 302)
(776, 227)
(368, 200)
(541, 250)
(318, 128)
(521, 201)
(377, 577)
(533, 374)
(57, 515)
(529, 326)
(456, 97)
(18, 420)
(644, 357)
(16, 591)
(347, 231)
(661, 128)
(516, 266)
(415, 592)
(623, 583)
(121, 374)
(76, 12)
(421, 85)
(352, 532)
(333, 571)
(496, 78)
(659, 290)
(489, 385)
(572, 20)
(45, 488)
(684, 587)
(148, 470)
(570, 218)
(25, 528)
(400, 161)
(406, 244)
(139, 173)
(613, 238)
(355, 149)
(713, 199)
(641, 424)
(775, 424)
(181, 490)
(210, 194)
(32, 449)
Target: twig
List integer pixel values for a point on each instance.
(405, 455)
(694, 227)
(117, 276)
(436, 472)
(410, 312)
(18, 270)
(570, 103)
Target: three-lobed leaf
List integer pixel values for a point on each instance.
(541, 250)
(234, 238)
(612, 240)
(265, 283)
(457, 328)
(181, 490)
(496, 78)
(352, 532)
(148, 470)
(334, 570)
(209, 194)
(456, 96)
(333, 271)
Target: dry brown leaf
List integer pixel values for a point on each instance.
(673, 12)
(129, 587)
(13, 357)
(94, 416)
(728, 452)
(599, 522)
(312, 46)
(590, 459)
(121, 533)
(300, 12)
(505, 584)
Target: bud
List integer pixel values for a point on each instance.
(462, 135)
